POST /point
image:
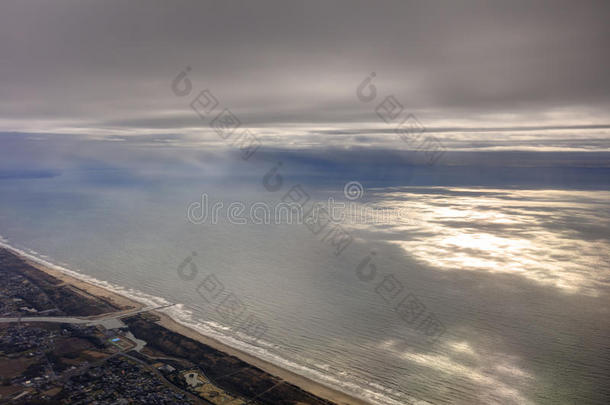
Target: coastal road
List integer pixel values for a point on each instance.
(109, 321)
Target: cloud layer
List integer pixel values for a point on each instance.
(290, 71)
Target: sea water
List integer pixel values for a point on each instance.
(518, 279)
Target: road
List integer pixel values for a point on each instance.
(109, 321)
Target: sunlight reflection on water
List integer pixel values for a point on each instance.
(549, 236)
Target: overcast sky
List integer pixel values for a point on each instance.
(290, 70)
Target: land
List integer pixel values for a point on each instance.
(63, 340)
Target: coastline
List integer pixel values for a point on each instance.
(128, 303)
(306, 384)
(114, 298)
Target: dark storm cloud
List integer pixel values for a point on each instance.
(85, 66)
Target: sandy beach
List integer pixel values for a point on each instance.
(296, 379)
(126, 303)
(84, 286)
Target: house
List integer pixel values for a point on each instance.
(193, 379)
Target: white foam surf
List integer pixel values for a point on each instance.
(342, 381)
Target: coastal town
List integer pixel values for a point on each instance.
(59, 344)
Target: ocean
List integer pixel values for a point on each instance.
(516, 281)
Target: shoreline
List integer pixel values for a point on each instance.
(127, 303)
